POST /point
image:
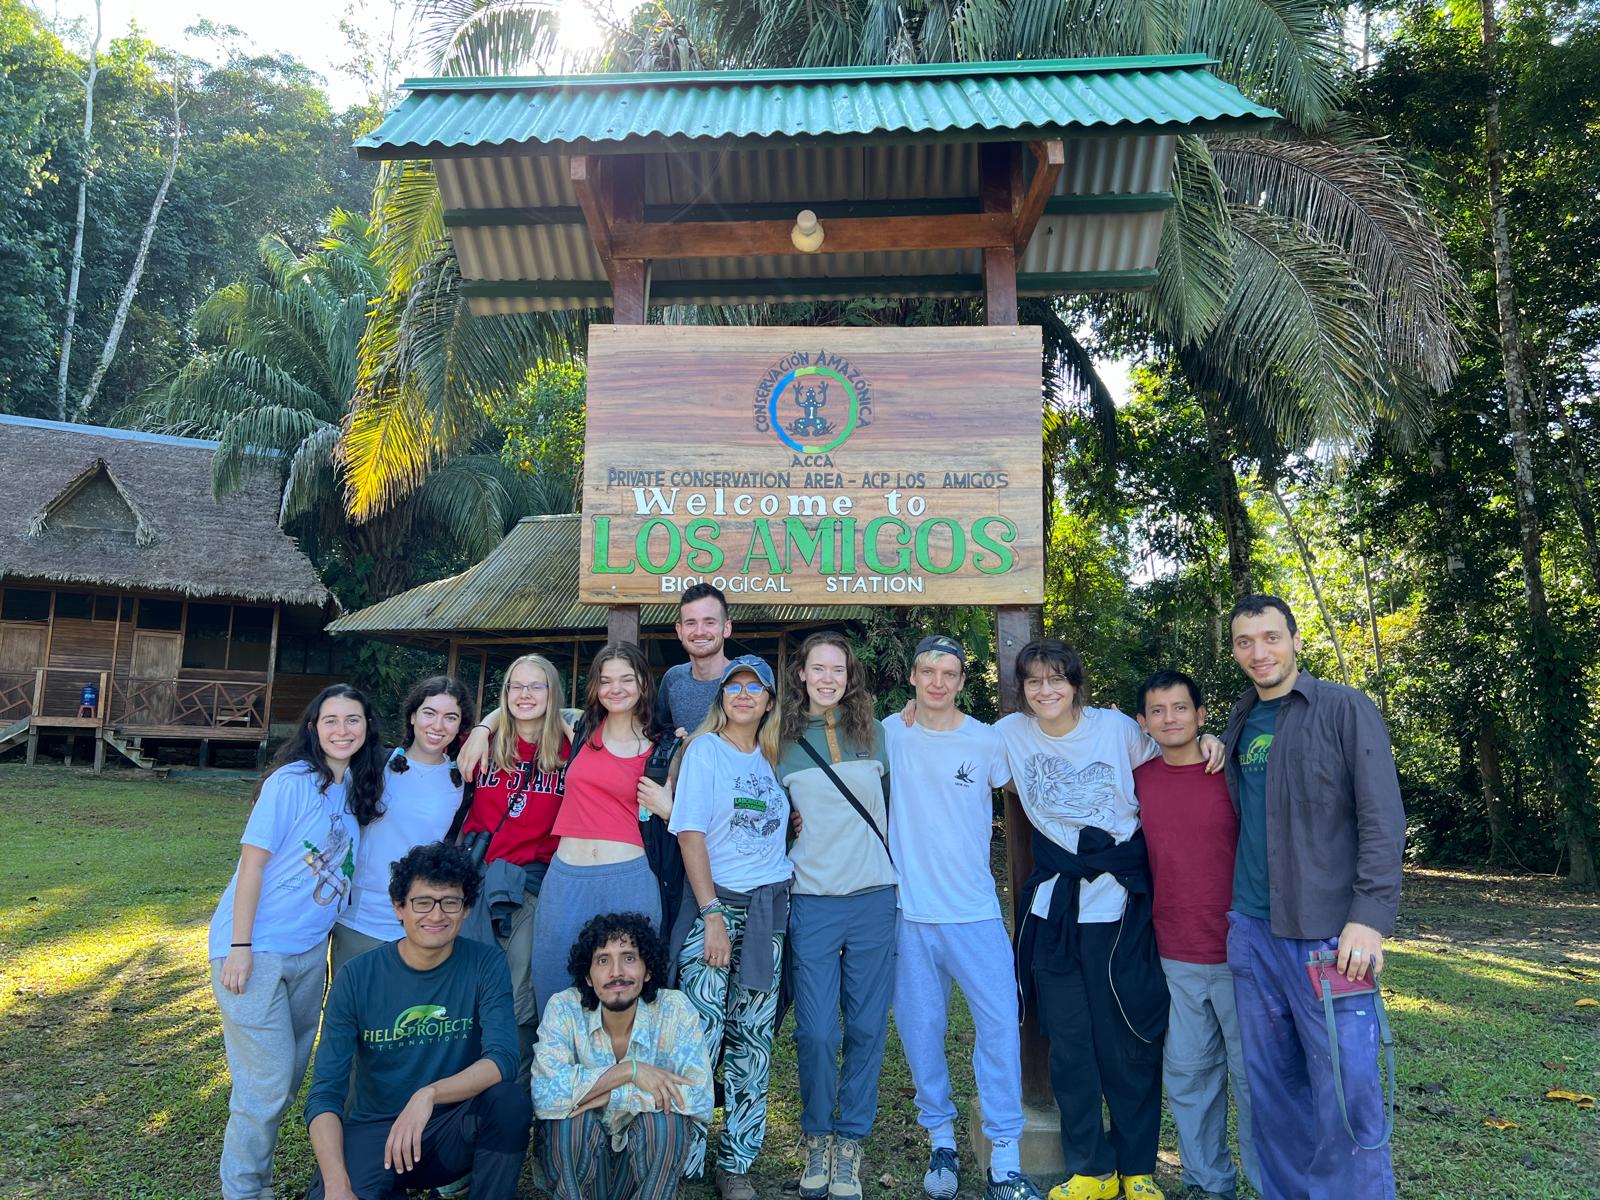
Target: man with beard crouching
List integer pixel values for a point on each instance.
(428, 1024)
(620, 1074)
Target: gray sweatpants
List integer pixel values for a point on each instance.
(267, 1034)
(1203, 1049)
(570, 898)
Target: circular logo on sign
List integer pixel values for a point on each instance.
(814, 409)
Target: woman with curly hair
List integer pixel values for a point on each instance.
(268, 937)
(842, 912)
(421, 793)
(620, 1111)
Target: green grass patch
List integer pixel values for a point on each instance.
(112, 1081)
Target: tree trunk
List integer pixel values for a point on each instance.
(1578, 486)
(1372, 622)
(77, 232)
(1230, 505)
(109, 350)
(1310, 566)
(1567, 774)
(1492, 781)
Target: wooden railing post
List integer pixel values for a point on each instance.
(38, 692)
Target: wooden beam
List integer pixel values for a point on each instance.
(1051, 156)
(584, 173)
(622, 623)
(272, 674)
(848, 235)
(629, 271)
(999, 186)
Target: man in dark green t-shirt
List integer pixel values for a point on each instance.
(428, 1023)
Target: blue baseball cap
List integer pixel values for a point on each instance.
(939, 644)
(749, 662)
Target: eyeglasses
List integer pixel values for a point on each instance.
(447, 904)
(1034, 683)
(754, 688)
(526, 689)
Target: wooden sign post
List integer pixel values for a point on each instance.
(813, 466)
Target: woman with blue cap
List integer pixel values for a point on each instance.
(730, 816)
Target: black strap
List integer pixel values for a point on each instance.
(468, 790)
(849, 795)
(1387, 1039)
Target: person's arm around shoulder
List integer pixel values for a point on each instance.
(1380, 836)
(330, 1080)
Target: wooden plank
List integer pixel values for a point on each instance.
(272, 670)
(1000, 169)
(630, 273)
(584, 173)
(849, 235)
(630, 291)
(1051, 158)
(622, 623)
(813, 466)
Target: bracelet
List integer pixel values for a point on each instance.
(635, 1063)
(716, 910)
(714, 902)
(482, 726)
(241, 945)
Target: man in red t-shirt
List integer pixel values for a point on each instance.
(1192, 831)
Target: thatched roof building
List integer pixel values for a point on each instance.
(117, 508)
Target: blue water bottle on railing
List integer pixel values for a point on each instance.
(89, 700)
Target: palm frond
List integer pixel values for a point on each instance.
(1284, 52)
(313, 482)
(1356, 196)
(1295, 343)
(489, 37)
(1196, 271)
(260, 439)
(1092, 28)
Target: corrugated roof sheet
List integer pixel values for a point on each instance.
(1018, 98)
(528, 584)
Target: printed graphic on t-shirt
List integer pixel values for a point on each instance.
(964, 774)
(1253, 758)
(521, 783)
(1086, 797)
(419, 1025)
(758, 811)
(331, 864)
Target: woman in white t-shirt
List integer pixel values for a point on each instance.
(730, 816)
(1086, 947)
(268, 941)
(421, 794)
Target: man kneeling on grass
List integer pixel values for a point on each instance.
(428, 1022)
(621, 1078)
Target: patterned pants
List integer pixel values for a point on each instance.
(581, 1164)
(743, 1018)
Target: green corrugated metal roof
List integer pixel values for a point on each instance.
(1031, 98)
(528, 584)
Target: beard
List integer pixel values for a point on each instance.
(619, 1006)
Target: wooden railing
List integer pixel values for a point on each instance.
(190, 703)
(58, 692)
(19, 694)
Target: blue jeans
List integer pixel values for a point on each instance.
(1301, 1143)
(842, 950)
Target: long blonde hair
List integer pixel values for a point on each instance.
(504, 750)
(768, 734)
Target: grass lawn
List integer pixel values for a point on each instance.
(112, 1082)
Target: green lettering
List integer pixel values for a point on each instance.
(1004, 557)
(641, 546)
(958, 546)
(761, 545)
(869, 550)
(602, 550)
(710, 554)
(804, 545)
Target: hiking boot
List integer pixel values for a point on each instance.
(734, 1185)
(1012, 1187)
(815, 1174)
(455, 1191)
(1141, 1187)
(943, 1177)
(845, 1183)
(1088, 1187)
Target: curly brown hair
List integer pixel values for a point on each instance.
(855, 706)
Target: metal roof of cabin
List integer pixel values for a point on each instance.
(528, 586)
(845, 142)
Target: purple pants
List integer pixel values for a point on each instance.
(1301, 1142)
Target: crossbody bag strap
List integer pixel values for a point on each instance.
(1387, 1038)
(834, 779)
(468, 791)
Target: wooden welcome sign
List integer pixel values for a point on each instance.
(813, 465)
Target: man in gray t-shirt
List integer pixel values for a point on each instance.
(689, 689)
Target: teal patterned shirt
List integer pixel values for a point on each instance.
(574, 1051)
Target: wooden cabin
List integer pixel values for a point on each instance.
(138, 609)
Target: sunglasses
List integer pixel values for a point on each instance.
(754, 688)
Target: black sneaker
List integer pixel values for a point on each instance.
(1012, 1187)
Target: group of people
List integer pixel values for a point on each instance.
(558, 925)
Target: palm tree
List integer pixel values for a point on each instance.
(1302, 289)
(275, 388)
